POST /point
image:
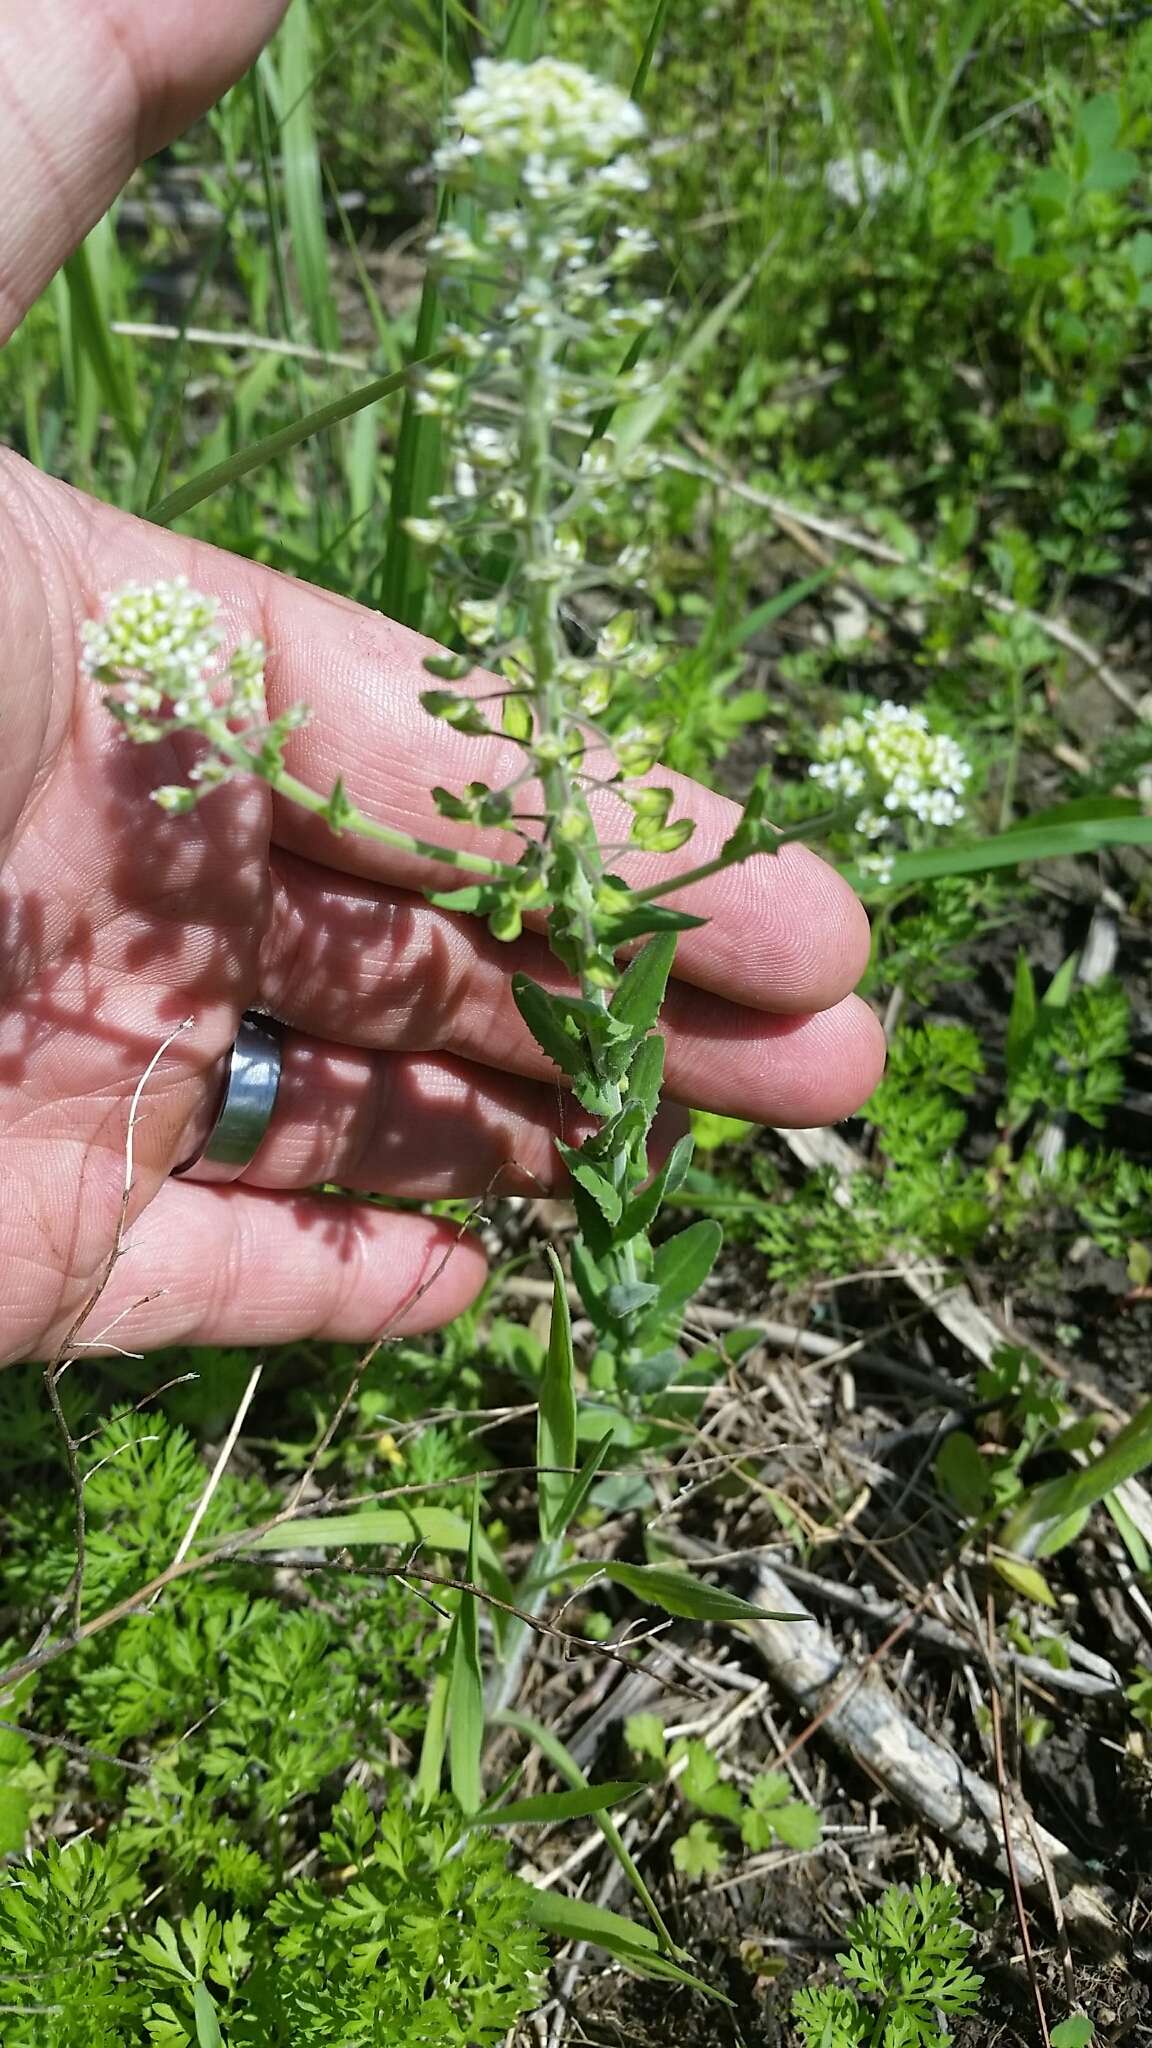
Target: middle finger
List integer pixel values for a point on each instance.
(368, 966)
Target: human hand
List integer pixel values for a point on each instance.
(407, 1069)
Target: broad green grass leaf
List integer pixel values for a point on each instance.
(86, 275)
(566, 1767)
(303, 185)
(435, 1741)
(262, 453)
(552, 1807)
(1128, 1454)
(556, 1414)
(581, 1486)
(399, 1528)
(651, 44)
(466, 1689)
(679, 1593)
(628, 1940)
(1014, 849)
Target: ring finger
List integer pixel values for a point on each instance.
(425, 1126)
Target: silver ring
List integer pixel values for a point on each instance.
(247, 1100)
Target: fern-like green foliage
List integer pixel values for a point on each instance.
(908, 1972)
(408, 1933)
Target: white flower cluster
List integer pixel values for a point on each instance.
(891, 757)
(156, 643)
(541, 120)
(155, 653)
(856, 180)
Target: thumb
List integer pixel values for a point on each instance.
(88, 89)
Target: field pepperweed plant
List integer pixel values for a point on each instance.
(543, 160)
(547, 387)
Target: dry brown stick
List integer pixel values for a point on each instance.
(1018, 1906)
(861, 1713)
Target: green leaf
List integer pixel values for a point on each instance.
(581, 1486)
(961, 1472)
(636, 422)
(303, 187)
(608, 1199)
(643, 1208)
(435, 1742)
(644, 1735)
(1016, 848)
(556, 1413)
(629, 1296)
(551, 1747)
(92, 337)
(269, 450)
(208, 2033)
(646, 1075)
(1058, 993)
(397, 1528)
(797, 1825)
(681, 1594)
(550, 1023)
(14, 1810)
(1129, 1452)
(516, 715)
(1024, 1579)
(1074, 2032)
(552, 1807)
(637, 999)
(681, 1265)
(631, 1943)
(1021, 1017)
(698, 1853)
(466, 1689)
(702, 1786)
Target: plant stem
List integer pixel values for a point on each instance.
(356, 820)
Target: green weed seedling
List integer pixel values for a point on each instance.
(768, 1815)
(907, 1972)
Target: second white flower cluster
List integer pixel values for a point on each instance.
(891, 758)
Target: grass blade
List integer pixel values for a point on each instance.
(556, 1414)
(245, 460)
(303, 184)
(1129, 1453)
(1012, 849)
(651, 43)
(576, 1920)
(552, 1807)
(466, 1690)
(567, 1768)
(87, 278)
(431, 1766)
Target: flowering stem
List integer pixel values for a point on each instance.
(561, 799)
(811, 828)
(348, 817)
